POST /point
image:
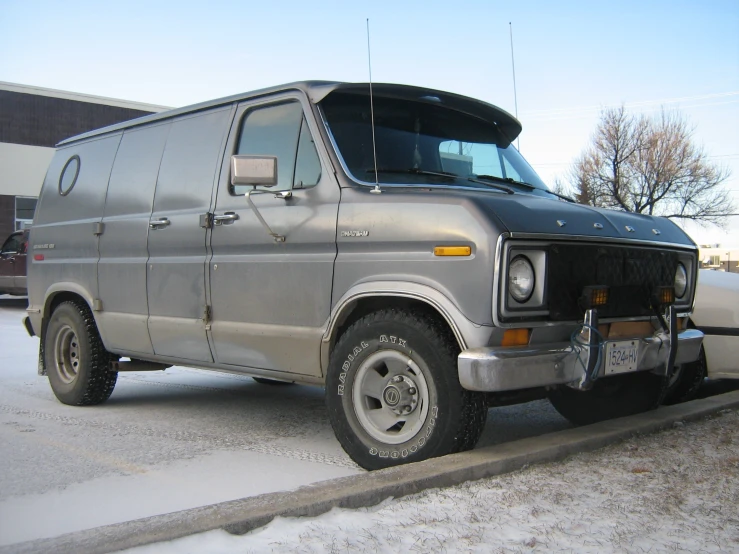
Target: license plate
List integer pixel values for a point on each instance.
(621, 356)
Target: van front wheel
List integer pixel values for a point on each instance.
(76, 360)
(393, 392)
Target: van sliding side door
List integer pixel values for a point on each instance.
(177, 248)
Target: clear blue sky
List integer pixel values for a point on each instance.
(572, 58)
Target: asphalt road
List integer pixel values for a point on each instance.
(166, 441)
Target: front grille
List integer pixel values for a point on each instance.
(632, 275)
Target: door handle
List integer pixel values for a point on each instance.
(159, 223)
(225, 219)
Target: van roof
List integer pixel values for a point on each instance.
(318, 90)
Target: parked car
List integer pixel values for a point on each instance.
(395, 248)
(13, 264)
(716, 314)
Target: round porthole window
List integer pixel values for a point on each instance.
(69, 175)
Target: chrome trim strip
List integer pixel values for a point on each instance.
(338, 310)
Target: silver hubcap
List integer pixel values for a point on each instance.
(390, 397)
(67, 354)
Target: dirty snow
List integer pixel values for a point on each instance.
(676, 491)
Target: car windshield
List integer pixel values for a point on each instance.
(422, 142)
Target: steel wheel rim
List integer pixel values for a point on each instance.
(381, 390)
(67, 354)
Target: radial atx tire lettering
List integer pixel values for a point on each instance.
(393, 392)
(610, 397)
(77, 363)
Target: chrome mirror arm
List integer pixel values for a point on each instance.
(278, 238)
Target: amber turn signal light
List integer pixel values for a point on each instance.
(516, 337)
(452, 251)
(595, 296)
(665, 295)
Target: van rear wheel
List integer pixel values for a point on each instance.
(393, 391)
(77, 363)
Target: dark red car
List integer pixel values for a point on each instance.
(13, 264)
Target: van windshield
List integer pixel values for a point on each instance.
(423, 142)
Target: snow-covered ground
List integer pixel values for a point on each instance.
(677, 491)
(166, 441)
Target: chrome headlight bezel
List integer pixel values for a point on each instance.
(534, 304)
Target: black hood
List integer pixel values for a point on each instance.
(526, 213)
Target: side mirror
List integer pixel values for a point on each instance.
(254, 170)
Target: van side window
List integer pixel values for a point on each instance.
(307, 165)
(272, 131)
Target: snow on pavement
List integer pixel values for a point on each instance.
(676, 491)
(166, 441)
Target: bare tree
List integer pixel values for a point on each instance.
(650, 166)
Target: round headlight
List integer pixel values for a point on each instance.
(521, 279)
(681, 281)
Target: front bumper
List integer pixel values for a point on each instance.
(504, 368)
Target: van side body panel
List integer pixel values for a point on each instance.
(123, 243)
(176, 282)
(64, 226)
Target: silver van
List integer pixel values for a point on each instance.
(401, 252)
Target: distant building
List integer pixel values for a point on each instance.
(32, 121)
(719, 258)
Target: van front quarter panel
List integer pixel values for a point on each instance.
(393, 236)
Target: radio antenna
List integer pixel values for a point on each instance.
(377, 189)
(513, 66)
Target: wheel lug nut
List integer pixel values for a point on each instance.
(411, 390)
(406, 409)
(397, 379)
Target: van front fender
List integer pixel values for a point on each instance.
(467, 333)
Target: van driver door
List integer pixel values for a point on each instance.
(271, 299)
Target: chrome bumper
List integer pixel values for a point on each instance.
(501, 368)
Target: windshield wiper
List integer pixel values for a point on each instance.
(524, 184)
(485, 180)
(506, 180)
(416, 171)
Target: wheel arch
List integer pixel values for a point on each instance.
(369, 297)
(55, 295)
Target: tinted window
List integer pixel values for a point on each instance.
(413, 137)
(307, 166)
(13, 244)
(272, 131)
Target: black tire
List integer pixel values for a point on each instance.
(687, 381)
(610, 397)
(77, 363)
(391, 361)
(271, 382)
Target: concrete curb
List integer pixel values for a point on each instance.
(355, 491)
